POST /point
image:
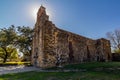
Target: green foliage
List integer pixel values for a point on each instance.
(19, 38)
(8, 37)
(11, 53)
(25, 40)
(117, 51)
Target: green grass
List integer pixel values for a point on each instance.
(62, 76)
(91, 65)
(90, 74)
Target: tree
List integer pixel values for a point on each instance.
(24, 41)
(8, 37)
(11, 53)
(114, 38)
(19, 38)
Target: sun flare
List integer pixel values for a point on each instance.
(34, 9)
(34, 12)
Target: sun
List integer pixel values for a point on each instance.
(34, 9)
(34, 12)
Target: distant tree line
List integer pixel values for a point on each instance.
(13, 39)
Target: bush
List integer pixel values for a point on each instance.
(115, 56)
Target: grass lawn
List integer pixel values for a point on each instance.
(90, 66)
(110, 71)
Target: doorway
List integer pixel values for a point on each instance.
(71, 57)
(36, 57)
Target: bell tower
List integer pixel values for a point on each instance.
(37, 58)
(41, 15)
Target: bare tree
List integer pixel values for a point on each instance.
(114, 38)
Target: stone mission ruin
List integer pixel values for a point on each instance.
(53, 46)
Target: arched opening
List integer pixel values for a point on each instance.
(71, 57)
(88, 54)
(109, 57)
(36, 56)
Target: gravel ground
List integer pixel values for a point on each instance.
(16, 69)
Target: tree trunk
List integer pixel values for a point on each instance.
(6, 55)
(5, 59)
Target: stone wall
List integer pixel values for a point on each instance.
(55, 47)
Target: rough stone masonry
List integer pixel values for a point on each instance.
(54, 47)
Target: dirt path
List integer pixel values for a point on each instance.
(16, 69)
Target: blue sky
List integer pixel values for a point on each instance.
(90, 18)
